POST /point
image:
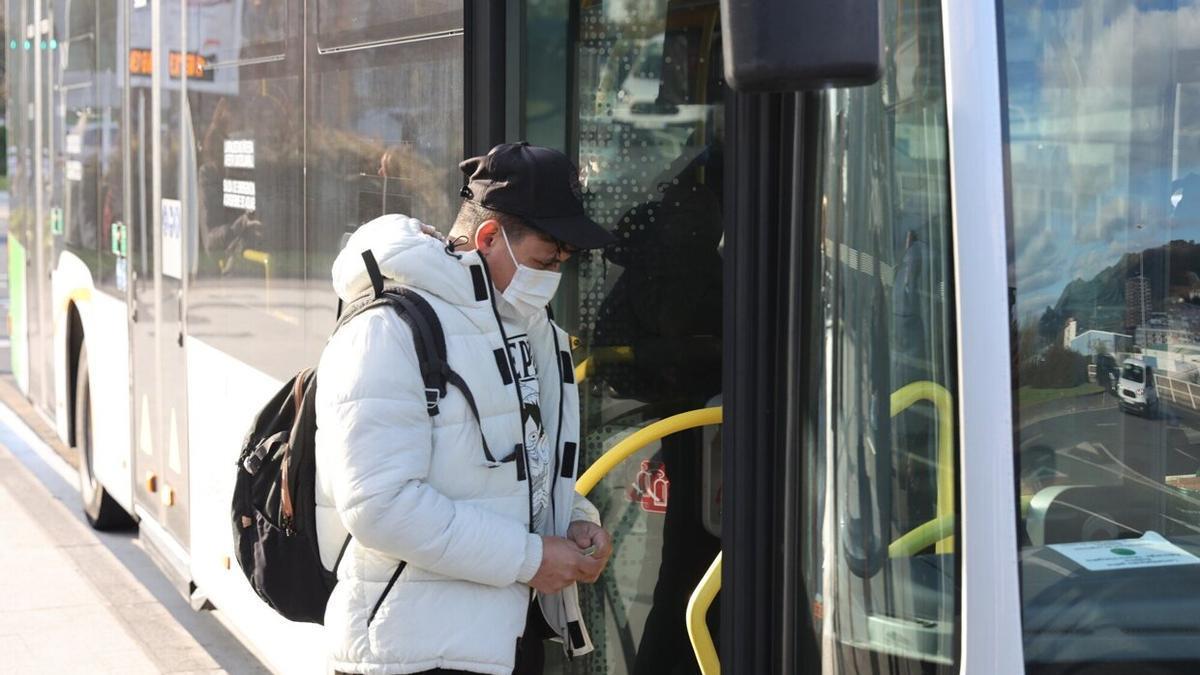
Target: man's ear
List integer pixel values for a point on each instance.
(485, 236)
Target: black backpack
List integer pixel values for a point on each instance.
(274, 504)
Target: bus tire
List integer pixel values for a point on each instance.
(102, 511)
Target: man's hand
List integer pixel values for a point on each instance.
(586, 534)
(563, 563)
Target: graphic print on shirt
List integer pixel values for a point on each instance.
(537, 445)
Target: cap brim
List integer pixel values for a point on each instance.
(578, 231)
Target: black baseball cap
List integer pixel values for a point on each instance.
(538, 185)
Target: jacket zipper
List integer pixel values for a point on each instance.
(562, 394)
(386, 589)
(516, 385)
(558, 434)
(562, 391)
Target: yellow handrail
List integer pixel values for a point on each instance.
(923, 536)
(601, 354)
(640, 439)
(264, 259)
(902, 399)
(710, 584)
(697, 619)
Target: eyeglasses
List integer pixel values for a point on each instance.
(565, 248)
(560, 248)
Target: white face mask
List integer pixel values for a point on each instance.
(530, 290)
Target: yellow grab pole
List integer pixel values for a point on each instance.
(640, 439)
(702, 597)
(263, 259)
(582, 368)
(923, 536)
(697, 619)
(902, 399)
(601, 355)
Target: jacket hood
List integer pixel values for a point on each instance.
(406, 256)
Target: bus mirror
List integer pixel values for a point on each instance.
(789, 45)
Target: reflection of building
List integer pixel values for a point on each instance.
(1153, 335)
(1185, 316)
(1068, 333)
(1137, 300)
(1100, 341)
(1179, 362)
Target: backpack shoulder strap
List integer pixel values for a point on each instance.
(376, 281)
(356, 307)
(373, 272)
(430, 342)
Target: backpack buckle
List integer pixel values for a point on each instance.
(432, 395)
(254, 460)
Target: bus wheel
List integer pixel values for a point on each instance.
(102, 511)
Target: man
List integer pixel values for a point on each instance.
(449, 534)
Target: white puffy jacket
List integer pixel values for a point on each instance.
(419, 489)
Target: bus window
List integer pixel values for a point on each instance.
(351, 24)
(385, 131)
(1103, 144)
(877, 548)
(82, 128)
(106, 143)
(243, 174)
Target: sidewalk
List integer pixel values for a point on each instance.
(51, 618)
(69, 598)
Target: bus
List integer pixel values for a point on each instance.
(844, 375)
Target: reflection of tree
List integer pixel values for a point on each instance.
(1056, 367)
(348, 157)
(353, 15)
(269, 119)
(263, 21)
(79, 194)
(223, 240)
(111, 191)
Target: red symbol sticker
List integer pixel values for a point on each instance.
(652, 487)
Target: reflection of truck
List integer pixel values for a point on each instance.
(1136, 389)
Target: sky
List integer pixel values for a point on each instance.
(1100, 121)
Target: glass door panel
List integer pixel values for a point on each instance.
(638, 94)
(878, 556)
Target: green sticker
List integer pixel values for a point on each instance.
(56, 220)
(120, 243)
(1124, 551)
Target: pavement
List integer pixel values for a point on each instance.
(73, 600)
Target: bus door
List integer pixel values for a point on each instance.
(39, 31)
(20, 121)
(634, 93)
(156, 279)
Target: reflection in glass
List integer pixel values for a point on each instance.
(349, 23)
(241, 178)
(384, 136)
(647, 310)
(878, 552)
(1103, 122)
(79, 143)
